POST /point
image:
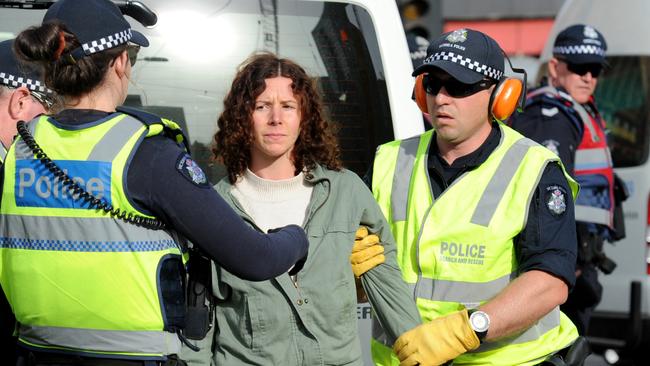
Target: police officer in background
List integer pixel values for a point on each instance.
(23, 96)
(561, 114)
(482, 216)
(97, 203)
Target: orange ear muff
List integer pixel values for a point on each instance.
(505, 98)
(420, 94)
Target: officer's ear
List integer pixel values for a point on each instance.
(552, 67)
(20, 102)
(121, 63)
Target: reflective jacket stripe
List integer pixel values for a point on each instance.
(545, 324)
(459, 291)
(90, 232)
(495, 190)
(21, 148)
(401, 184)
(592, 214)
(109, 146)
(587, 159)
(140, 343)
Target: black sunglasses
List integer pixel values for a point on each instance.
(455, 88)
(132, 50)
(42, 98)
(583, 69)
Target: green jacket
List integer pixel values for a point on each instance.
(314, 323)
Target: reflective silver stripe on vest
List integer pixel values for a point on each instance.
(545, 324)
(586, 120)
(3, 153)
(499, 182)
(22, 151)
(592, 159)
(89, 235)
(114, 140)
(472, 293)
(402, 177)
(97, 340)
(460, 291)
(592, 214)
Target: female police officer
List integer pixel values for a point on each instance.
(96, 202)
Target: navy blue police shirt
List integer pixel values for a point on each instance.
(548, 242)
(164, 181)
(547, 125)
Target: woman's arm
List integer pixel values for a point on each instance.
(387, 292)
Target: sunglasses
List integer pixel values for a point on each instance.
(42, 98)
(132, 50)
(583, 69)
(455, 88)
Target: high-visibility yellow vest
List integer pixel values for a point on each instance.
(458, 251)
(77, 279)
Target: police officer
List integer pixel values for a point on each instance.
(561, 114)
(97, 202)
(22, 97)
(483, 219)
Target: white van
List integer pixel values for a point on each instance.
(622, 320)
(355, 49)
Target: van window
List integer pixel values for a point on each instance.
(196, 46)
(623, 97)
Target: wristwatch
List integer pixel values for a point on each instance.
(480, 323)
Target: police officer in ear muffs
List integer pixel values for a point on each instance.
(562, 115)
(483, 218)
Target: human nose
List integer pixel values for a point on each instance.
(275, 117)
(442, 97)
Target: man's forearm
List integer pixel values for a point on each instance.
(523, 302)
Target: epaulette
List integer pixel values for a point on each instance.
(157, 125)
(144, 117)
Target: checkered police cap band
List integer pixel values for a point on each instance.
(18, 81)
(107, 42)
(467, 63)
(583, 49)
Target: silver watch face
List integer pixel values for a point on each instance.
(480, 321)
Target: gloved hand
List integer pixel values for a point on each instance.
(437, 341)
(367, 252)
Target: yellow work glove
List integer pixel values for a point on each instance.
(367, 252)
(437, 341)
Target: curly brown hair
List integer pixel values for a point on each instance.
(232, 143)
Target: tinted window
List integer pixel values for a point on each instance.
(196, 46)
(623, 98)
